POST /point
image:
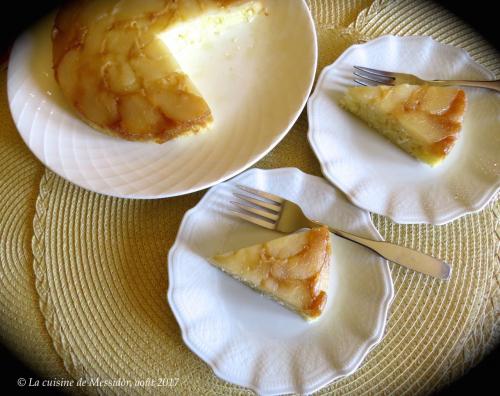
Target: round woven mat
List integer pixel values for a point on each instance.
(96, 289)
(20, 175)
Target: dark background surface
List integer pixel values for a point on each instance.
(478, 14)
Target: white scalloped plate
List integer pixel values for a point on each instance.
(378, 176)
(256, 78)
(252, 341)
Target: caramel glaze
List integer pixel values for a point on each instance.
(449, 121)
(314, 259)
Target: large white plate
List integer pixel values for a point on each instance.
(252, 341)
(256, 78)
(378, 176)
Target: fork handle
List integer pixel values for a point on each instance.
(401, 255)
(490, 84)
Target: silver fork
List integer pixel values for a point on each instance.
(276, 213)
(367, 76)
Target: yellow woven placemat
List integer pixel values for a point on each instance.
(96, 290)
(20, 174)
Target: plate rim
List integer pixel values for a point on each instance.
(368, 344)
(202, 186)
(423, 218)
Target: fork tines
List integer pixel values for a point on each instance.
(260, 208)
(262, 194)
(367, 76)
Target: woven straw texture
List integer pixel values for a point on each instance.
(83, 277)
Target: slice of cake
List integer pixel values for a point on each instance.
(292, 269)
(112, 63)
(425, 121)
